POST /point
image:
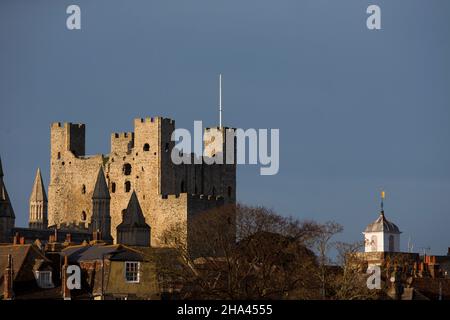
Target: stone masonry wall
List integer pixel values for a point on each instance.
(138, 161)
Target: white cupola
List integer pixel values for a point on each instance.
(382, 235)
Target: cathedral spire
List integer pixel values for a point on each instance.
(7, 216)
(133, 214)
(101, 216)
(6, 209)
(133, 230)
(1, 168)
(38, 192)
(101, 187)
(38, 204)
(220, 100)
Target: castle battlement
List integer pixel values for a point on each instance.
(140, 161)
(147, 120)
(122, 135)
(73, 225)
(68, 125)
(205, 197)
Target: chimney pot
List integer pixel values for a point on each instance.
(16, 239)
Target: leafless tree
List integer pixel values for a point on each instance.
(323, 245)
(260, 255)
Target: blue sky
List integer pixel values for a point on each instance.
(357, 110)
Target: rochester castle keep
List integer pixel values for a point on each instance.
(130, 196)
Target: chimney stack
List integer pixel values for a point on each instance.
(16, 239)
(8, 278)
(97, 235)
(65, 289)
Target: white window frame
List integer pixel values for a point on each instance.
(138, 271)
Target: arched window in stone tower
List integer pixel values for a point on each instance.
(83, 189)
(146, 147)
(126, 169)
(391, 243)
(127, 186)
(373, 243)
(113, 187)
(83, 216)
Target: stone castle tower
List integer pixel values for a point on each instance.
(7, 216)
(38, 204)
(139, 162)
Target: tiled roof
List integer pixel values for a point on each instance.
(382, 225)
(79, 254)
(26, 258)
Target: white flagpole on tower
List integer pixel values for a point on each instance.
(220, 100)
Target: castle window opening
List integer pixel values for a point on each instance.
(146, 147)
(83, 216)
(59, 155)
(83, 189)
(63, 163)
(113, 187)
(126, 169)
(127, 186)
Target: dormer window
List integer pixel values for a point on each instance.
(44, 279)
